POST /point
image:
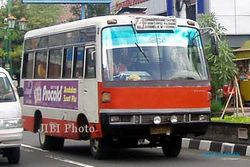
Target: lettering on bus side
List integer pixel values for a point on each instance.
(58, 94)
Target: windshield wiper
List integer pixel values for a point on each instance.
(141, 50)
(136, 43)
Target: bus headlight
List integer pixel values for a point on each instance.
(11, 123)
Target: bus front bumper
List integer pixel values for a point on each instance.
(144, 125)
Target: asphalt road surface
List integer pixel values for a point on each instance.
(77, 154)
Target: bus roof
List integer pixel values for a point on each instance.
(99, 22)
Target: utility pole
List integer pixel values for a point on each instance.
(7, 40)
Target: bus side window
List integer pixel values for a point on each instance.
(90, 69)
(55, 61)
(78, 62)
(40, 64)
(67, 63)
(28, 63)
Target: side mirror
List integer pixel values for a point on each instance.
(209, 34)
(214, 44)
(20, 92)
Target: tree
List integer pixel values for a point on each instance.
(222, 67)
(92, 10)
(37, 15)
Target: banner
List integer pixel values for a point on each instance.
(57, 94)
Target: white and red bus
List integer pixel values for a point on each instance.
(116, 81)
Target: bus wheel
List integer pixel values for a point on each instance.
(99, 148)
(171, 147)
(50, 142)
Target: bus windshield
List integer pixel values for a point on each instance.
(152, 55)
(6, 91)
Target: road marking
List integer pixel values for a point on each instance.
(56, 158)
(27, 150)
(68, 161)
(34, 148)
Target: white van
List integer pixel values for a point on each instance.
(11, 129)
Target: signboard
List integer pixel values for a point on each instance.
(155, 23)
(66, 1)
(57, 94)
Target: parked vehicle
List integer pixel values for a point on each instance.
(11, 129)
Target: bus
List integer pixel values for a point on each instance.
(118, 81)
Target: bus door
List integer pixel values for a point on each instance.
(90, 91)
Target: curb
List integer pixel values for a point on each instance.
(214, 146)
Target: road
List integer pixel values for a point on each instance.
(77, 153)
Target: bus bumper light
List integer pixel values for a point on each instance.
(203, 117)
(157, 120)
(174, 119)
(115, 119)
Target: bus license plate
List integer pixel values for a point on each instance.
(160, 130)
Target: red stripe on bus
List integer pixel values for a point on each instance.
(155, 97)
(54, 127)
(62, 128)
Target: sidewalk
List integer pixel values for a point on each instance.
(232, 110)
(214, 146)
(219, 146)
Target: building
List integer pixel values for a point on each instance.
(234, 15)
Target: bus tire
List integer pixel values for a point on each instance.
(171, 147)
(50, 142)
(99, 148)
(13, 155)
(82, 122)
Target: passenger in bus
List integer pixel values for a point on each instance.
(41, 70)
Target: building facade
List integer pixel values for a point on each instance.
(234, 15)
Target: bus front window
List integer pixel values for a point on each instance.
(152, 55)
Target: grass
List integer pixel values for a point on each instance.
(232, 119)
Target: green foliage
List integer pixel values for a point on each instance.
(209, 20)
(222, 68)
(76, 11)
(232, 119)
(97, 10)
(2, 53)
(92, 10)
(37, 15)
(216, 106)
(42, 15)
